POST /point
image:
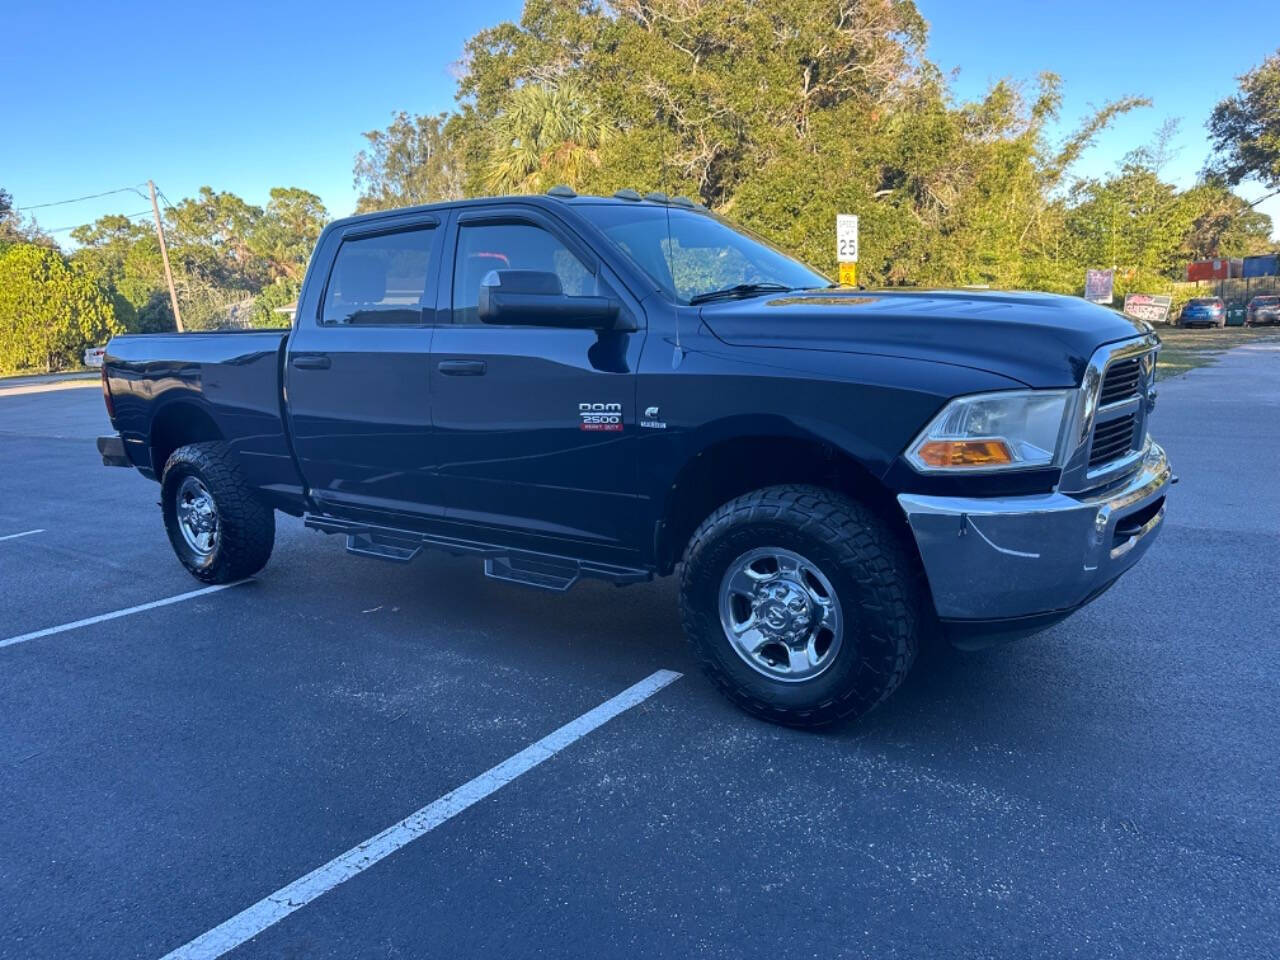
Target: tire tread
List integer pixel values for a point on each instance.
(247, 525)
(868, 551)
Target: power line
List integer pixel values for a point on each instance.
(89, 196)
(176, 215)
(1265, 196)
(127, 216)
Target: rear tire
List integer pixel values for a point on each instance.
(218, 527)
(847, 558)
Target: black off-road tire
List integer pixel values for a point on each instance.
(879, 589)
(246, 526)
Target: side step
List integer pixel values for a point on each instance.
(542, 570)
(548, 572)
(533, 573)
(382, 547)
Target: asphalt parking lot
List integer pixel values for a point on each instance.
(1109, 788)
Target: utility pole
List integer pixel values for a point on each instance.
(164, 255)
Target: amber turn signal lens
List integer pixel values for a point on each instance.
(964, 453)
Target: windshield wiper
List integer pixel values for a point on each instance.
(739, 290)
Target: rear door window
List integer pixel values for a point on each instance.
(382, 280)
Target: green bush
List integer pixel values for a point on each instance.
(50, 311)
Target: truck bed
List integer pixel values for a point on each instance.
(228, 381)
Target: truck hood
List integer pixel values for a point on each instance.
(1041, 339)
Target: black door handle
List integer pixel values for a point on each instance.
(462, 368)
(311, 361)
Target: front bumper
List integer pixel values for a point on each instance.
(1013, 566)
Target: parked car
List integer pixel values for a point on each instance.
(1204, 312)
(1263, 310)
(621, 388)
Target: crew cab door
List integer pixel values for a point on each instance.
(357, 373)
(536, 425)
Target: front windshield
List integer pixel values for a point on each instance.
(702, 254)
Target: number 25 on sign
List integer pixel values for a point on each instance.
(847, 248)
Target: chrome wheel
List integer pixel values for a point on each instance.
(197, 516)
(780, 614)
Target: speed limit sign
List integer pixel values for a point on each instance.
(846, 238)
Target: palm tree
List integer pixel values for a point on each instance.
(548, 132)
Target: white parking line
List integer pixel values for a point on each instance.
(24, 533)
(100, 618)
(274, 908)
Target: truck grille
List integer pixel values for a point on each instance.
(1116, 435)
(1121, 381)
(1113, 439)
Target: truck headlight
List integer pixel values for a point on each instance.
(1010, 430)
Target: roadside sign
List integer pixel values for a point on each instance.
(846, 238)
(1099, 285)
(1152, 308)
(848, 274)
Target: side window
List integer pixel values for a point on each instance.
(484, 247)
(380, 280)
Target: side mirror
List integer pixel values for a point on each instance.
(534, 298)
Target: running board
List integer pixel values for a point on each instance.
(382, 547)
(556, 576)
(544, 571)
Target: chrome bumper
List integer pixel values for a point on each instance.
(1034, 558)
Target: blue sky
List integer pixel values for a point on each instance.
(246, 96)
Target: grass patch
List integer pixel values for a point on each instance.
(1184, 349)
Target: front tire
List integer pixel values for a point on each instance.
(219, 529)
(801, 605)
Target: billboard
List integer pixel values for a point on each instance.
(1150, 307)
(1099, 285)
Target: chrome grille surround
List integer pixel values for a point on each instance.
(1082, 470)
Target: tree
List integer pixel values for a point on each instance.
(1223, 225)
(780, 115)
(125, 258)
(702, 95)
(50, 310)
(547, 133)
(14, 228)
(225, 253)
(412, 161)
(284, 235)
(211, 240)
(274, 298)
(7, 216)
(1245, 128)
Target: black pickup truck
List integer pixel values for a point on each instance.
(623, 387)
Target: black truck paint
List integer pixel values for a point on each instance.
(600, 451)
